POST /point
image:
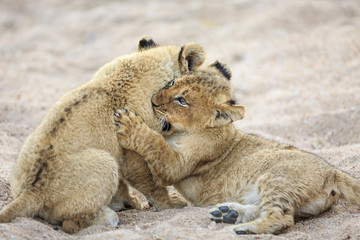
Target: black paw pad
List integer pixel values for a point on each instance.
(216, 214)
(240, 232)
(231, 217)
(224, 209)
(216, 220)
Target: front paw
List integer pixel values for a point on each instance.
(127, 125)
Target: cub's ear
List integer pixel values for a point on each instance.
(223, 69)
(145, 43)
(228, 113)
(191, 56)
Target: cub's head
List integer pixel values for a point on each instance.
(197, 101)
(189, 57)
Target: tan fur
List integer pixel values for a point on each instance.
(259, 185)
(71, 166)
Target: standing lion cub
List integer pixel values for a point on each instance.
(71, 166)
(257, 184)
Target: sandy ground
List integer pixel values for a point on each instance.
(296, 68)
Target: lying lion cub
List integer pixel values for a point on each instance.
(70, 167)
(260, 184)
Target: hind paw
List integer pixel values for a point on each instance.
(234, 213)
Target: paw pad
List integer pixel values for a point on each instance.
(231, 217)
(224, 209)
(224, 215)
(240, 232)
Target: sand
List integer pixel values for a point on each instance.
(296, 69)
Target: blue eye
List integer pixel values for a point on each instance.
(182, 101)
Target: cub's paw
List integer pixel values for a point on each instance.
(244, 229)
(120, 204)
(177, 201)
(127, 126)
(107, 217)
(234, 213)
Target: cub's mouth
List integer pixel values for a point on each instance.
(165, 125)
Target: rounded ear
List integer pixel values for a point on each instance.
(223, 69)
(145, 43)
(191, 56)
(227, 114)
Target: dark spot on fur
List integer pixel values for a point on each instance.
(219, 66)
(85, 96)
(51, 147)
(146, 44)
(180, 53)
(196, 88)
(39, 160)
(232, 102)
(37, 177)
(68, 109)
(333, 193)
(61, 120)
(185, 92)
(76, 103)
(289, 147)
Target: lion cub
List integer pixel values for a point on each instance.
(257, 184)
(70, 167)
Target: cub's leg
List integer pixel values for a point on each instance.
(234, 213)
(81, 190)
(276, 208)
(135, 170)
(123, 200)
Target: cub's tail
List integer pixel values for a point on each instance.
(349, 187)
(27, 204)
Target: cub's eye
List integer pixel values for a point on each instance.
(182, 101)
(170, 84)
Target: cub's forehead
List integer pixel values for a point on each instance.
(207, 81)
